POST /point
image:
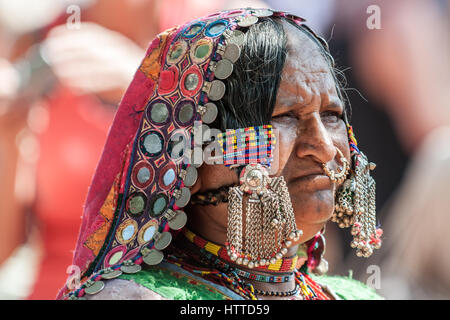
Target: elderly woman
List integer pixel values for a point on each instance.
(243, 217)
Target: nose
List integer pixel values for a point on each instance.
(314, 140)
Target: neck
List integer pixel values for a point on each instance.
(277, 277)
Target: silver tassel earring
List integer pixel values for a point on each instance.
(355, 207)
(270, 224)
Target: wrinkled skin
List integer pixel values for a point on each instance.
(308, 114)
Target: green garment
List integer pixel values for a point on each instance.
(174, 283)
(347, 288)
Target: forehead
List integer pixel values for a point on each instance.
(306, 75)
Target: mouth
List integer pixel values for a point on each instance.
(313, 181)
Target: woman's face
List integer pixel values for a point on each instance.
(308, 115)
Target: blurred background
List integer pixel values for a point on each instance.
(64, 66)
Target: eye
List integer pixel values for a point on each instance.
(331, 116)
(288, 115)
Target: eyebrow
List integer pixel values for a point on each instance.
(286, 107)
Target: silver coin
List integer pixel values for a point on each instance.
(131, 268)
(237, 37)
(210, 114)
(232, 52)
(191, 176)
(247, 21)
(262, 13)
(178, 221)
(111, 274)
(224, 69)
(184, 197)
(153, 257)
(94, 287)
(216, 90)
(163, 240)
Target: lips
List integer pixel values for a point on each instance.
(311, 179)
(308, 174)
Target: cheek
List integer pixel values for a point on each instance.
(340, 139)
(286, 135)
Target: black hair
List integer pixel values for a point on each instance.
(252, 88)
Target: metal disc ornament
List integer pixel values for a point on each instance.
(190, 177)
(224, 69)
(94, 287)
(163, 240)
(111, 274)
(247, 21)
(232, 52)
(130, 268)
(183, 199)
(261, 13)
(210, 113)
(216, 90)
(178, 221)
(153, 257)
(237, 37)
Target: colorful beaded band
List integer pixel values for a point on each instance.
(225, 267)
(310, 289)
(284, 265)
(352, 140)
(247, 145)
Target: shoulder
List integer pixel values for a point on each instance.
(119, 289)
(347, 288)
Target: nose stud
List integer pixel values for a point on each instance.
(338, 177)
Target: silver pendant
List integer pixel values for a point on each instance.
(236, 36)
(162, 240)
(214, 89)
(93, 287)
(247, 21)
(179, 221)
(130, 267)
(184, 195)
(190, 176)
(153, 257)
(232, 52)
(261, 13)
(111, 274)
(224, 69)
(209, 112)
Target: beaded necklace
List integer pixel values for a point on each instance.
(225, 274)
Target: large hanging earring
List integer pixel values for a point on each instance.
(315, 251)
(270, 224)
(355, 204)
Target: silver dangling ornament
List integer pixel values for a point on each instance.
(355, 207)
(270, 224)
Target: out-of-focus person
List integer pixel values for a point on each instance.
(75, 78)
(406, 66)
